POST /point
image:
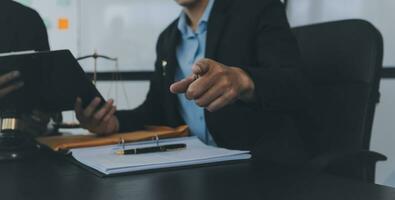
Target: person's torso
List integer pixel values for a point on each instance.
(233, 43)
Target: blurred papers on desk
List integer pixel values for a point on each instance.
(105, 160)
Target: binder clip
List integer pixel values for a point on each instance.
(122, 143)
(156, 140)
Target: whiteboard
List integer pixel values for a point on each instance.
(379, 13)
(123, 29)
(127, 29)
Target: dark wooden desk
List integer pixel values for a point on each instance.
(50, 177)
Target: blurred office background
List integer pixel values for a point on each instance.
(128, 30)
(380, 13)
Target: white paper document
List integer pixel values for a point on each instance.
(105, 160)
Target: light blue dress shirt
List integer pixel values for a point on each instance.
(192, 47)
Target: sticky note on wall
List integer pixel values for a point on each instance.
(63, 23)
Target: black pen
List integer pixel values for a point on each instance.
(155, 149)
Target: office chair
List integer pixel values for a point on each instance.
(343, 60)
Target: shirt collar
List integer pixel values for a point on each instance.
(186, 30)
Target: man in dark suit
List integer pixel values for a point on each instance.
(231, 70)
(22, 29)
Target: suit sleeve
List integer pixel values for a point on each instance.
(150, 112)
(280, 82)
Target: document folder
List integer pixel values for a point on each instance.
(104, 159)
(65, 143)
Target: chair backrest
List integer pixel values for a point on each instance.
(343, 60)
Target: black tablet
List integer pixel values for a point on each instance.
(52, 82)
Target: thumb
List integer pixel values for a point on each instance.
(202, 66)
(182, 85)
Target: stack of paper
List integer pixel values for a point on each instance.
(105, 160)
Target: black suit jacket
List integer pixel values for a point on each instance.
(255, 36)
(21, 28)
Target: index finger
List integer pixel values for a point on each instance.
(10, 89)
(78, 106)
(9, 77)
(92, 107)
(182, 86)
